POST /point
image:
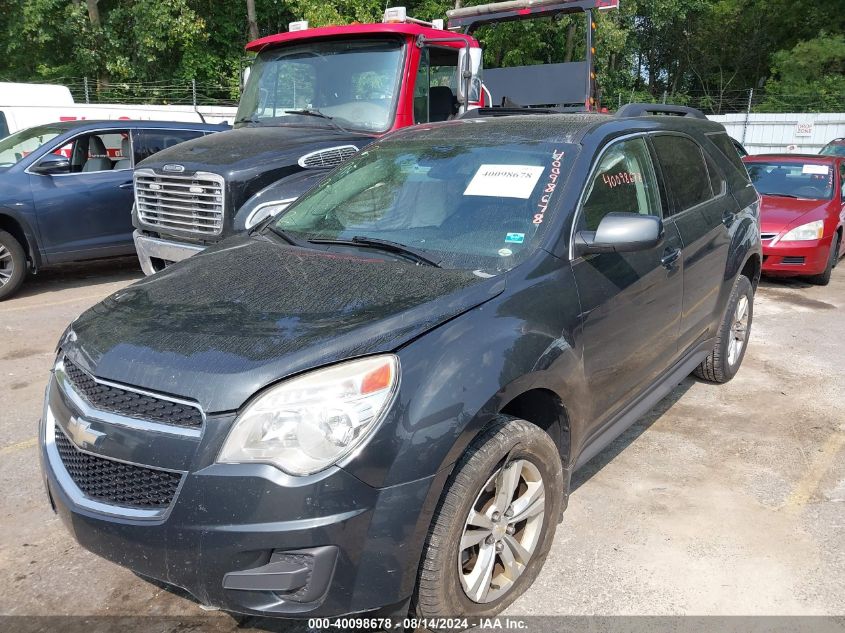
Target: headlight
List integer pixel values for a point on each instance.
(263, 211)
(306, 424)
(809, 231)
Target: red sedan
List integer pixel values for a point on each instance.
(802, 214)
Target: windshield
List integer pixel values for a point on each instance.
(836, 148)
(473, 203)
(354, 83)
(19, 145)
(812, 181)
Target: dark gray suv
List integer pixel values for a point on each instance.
(375, 402)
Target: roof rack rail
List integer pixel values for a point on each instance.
(648, 109)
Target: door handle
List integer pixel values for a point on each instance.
(728, 217)
(670, 257)
(126, 185)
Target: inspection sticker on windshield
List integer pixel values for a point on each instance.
(515, 238)
(504, 181)
(821, 170)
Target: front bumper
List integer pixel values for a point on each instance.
(155, 253)
(790, 259)
(247, 538)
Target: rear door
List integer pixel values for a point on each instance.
(87, 212)
(631, 302)
(703, 212)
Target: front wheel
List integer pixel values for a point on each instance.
(832, 258)
(732, 340)
(495, 523)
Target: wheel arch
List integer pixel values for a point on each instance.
(21, 233)
(752, 268)
(545, 409)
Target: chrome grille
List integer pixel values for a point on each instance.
(184, 203)
(329, 157)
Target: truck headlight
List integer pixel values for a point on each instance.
(809, 231)
(263, 211)
(306, 424)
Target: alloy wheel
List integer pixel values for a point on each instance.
(502, 531)
(7, 265)
(739, 330)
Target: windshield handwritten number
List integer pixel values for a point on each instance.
(554, 174)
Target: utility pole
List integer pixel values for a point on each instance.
(747, 114)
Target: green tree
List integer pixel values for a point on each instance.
(809, 76)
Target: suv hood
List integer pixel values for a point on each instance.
(231, 320)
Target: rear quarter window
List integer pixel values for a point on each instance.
(682, 162)
(727, 150)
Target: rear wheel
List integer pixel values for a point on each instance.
(495, 524)
(12, 265)
(832, 258)
(724, 360)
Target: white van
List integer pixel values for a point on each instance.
(26, 105)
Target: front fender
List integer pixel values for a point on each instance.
(458, 377)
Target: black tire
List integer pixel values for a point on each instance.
(717, 367)
(832, 258)
(439, 592)
(12, 263)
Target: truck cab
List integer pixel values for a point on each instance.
(314, 97)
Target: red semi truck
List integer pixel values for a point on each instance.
(315, 96)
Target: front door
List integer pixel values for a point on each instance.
(87, 213)
(630, 302)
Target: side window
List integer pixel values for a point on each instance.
(100, 151)
(717, 179)
(421, 89)
(148, 142)
(842, 181)
(624, 182)
(683, 166)
(435, 88)
(725, 145)
(4, 127)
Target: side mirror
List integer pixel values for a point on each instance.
(469, 75)
(52, 164)
(621, 233)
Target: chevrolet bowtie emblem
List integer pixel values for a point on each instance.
(82, 434)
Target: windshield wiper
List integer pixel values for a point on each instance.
(383, 245)
(309, 112)
(282, 234)
(248, 119)
(316, 113)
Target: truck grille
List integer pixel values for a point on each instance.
(329, 157)
(184, 203)
(130, 403)
(115, 482)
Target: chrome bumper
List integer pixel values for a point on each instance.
(153, 247)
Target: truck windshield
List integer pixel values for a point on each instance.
(350, 83)
(793, 179)
(461, 200)
(18, 146)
